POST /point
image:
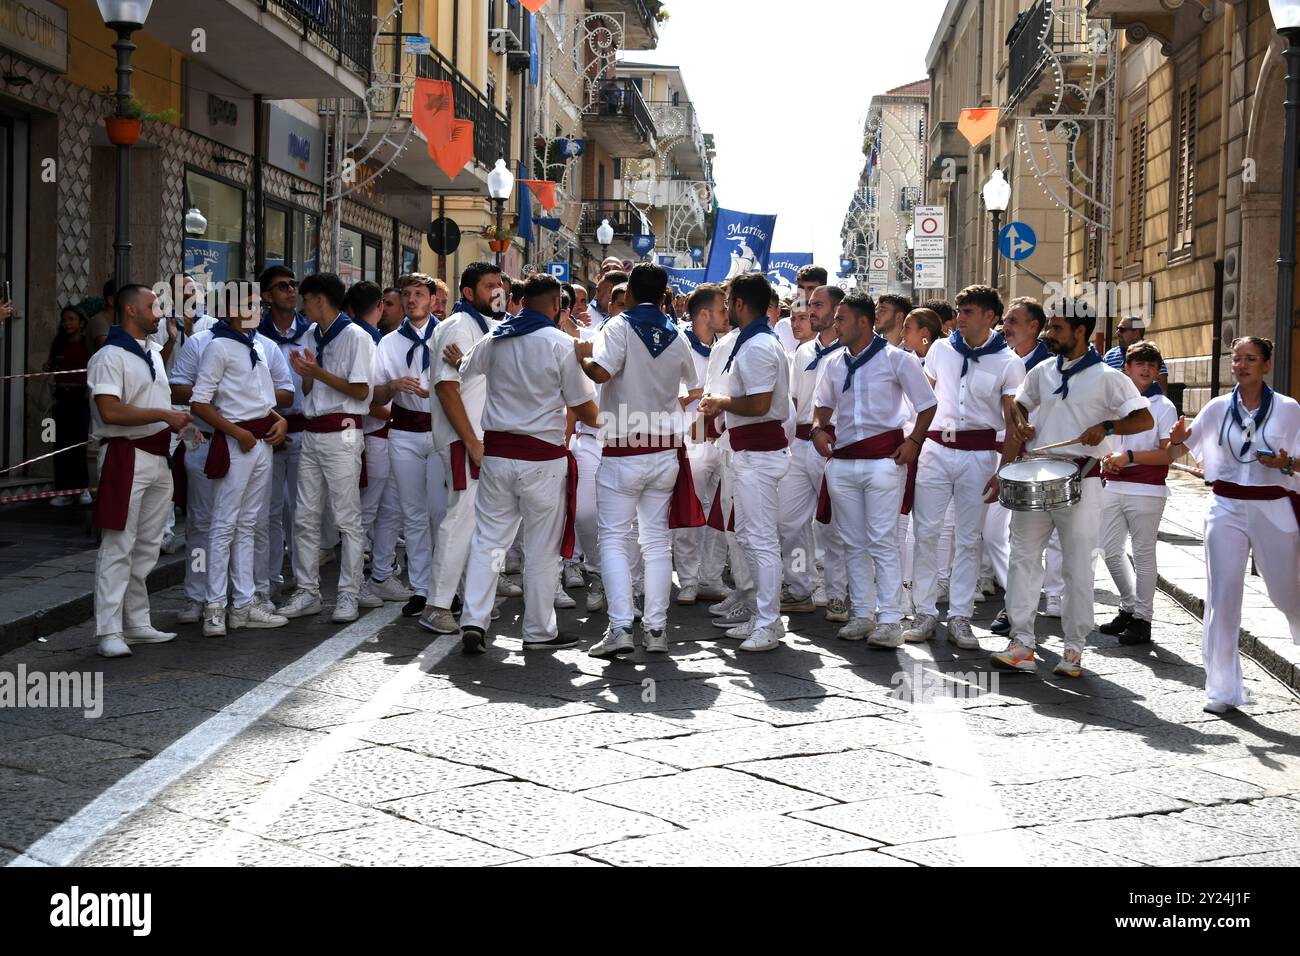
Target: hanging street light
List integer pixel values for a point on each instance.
(501, 183)
(997, 196)
(604, 236)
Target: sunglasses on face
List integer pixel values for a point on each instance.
(283, 286)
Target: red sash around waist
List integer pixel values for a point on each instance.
(684, 509)
(1094, 472)
(335, 422)
(113, 502)
(379, 432)
(405, 420)
(977, 439)
(180, 480)
(528, 448)
(877, 446)
(804, 432)
(297, 422)
(1228, 489)
(459, 458)
(1140, 474)
(711, 430)
(641, 445)
(217, 464)
(759, 436)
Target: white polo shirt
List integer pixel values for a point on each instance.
(532, 380)
(885, 394)
(391, 363)
(803, 383)
(1097, 394)
(761, 365)
(115, 371)
(461, 330)
(701, 374)
(286, 350)
(972, 401)
(350, 356)
(1163, 411)
(185, 367)
(641, 396)
(1216, 440)
(240, 390)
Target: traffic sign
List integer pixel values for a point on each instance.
(928, 247)
(929, 222)
(558, 270)
(1017, 241)
(928, 274)
(879, 264)
(444, 236)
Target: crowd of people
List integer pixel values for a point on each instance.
(836, 455)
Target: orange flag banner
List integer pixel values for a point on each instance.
(977, 125)
(534, 5)
(434, 112)
(452, 157)
(544, 190)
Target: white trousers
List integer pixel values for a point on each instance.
(588, 450)
(1234, 528)
(996, 543)
(422, 493)
(1125, 516)
(284, 496)
(451, 544)
(1054, 567)
(126, 557)
(636, 488)
(700, 553)
(328, 470)
(865, 497)
(381, 510)
(198, 518)
(756, 482)
(512, 494)
(239, 501)
(742, 575)
(949, 476)
(800, 489)
(1079, 527)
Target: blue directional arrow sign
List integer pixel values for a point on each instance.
(1017, 241)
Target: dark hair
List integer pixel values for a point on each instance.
(835, 292)
(703, 297)
(110, 289)
(271, 273)
(392, 288)
(982, 297)
(753, 289)
(61, 337)
(540, 285)
(326, 284)
(1036, 313)
(127, 295)
(929, 320)
(1142, 351)
(861, 305)
(900, 302)
(1265, 346)
(811, 273)
(361, 297)
(474, 272)
(1077, 313)
(614, 277)
(417, 278)
(647, 283)
(941, 308)
(775, 300)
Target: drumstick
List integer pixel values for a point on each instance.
(1059, 444)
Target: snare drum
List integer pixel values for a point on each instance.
(1039, 484)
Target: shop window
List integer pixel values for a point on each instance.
(216, 254)
(358, 256)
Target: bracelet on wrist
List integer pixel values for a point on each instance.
(912, 438)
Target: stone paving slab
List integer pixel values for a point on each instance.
(700, 797)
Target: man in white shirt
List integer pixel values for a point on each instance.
(891, 310)
(457, 413)
(1079, 398)
(975, 378)
(335, 370)
(198, 486)
(132, 417)
(642, 363)
(402, 363)
(755, 398)
(871, 389)
(236, 396)
(527, 477)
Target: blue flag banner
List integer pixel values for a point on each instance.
(742, 242)
(525, 207)
(782, 268)
(685, 281)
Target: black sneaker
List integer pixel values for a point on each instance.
(414, 607)
(1001, 624)
(456, 606)
(1137, 632)
(1120, 623)
(472, 640)
(558, 642)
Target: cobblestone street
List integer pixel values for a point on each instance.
(371, 745)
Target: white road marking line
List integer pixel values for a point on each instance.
(66, 842)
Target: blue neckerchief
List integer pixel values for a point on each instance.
(525, 323)
(877, 345)
(1039, 353)
(821, 353)
(1089, 359)
(375, 332)
(407, 331)
(1260, 419)
(224, 330)
(700, 347)
(1153, 390)
(118, 336)
(757, 327)
(995, 344)
(324, 339)
(296, 331)
(468, 309)
(652, 327)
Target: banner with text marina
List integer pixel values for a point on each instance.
(685, 281)
(782, 267)
(742, 242)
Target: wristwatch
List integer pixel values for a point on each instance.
(1130, 456)
(1109, 426)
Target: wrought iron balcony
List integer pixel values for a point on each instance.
(640, 28)
(620, 121)
(1050, 30)
(622, 215)
(343, 25)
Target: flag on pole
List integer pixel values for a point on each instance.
(544, 190)
(742, 242)
(783, 267)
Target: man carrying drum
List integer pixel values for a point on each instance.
(1081, 402)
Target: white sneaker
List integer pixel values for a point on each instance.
(887, 635)
(617, 640)
(264, 602)
(819, 596)
(62, 501)
(726, 605)
(1052, 607)
(837, 611)
(688, 595)
(112, 645)
(367, 597)
(596, 596)
(190, 613)
(656, 642)
(742, 630)
(959, 633)
(301, 603)
(345, 609)
(712, 591)
(86, 498)
(253, 616)
(507, 588)
(147, 635)
(739, 614)
(439, 620)
(390, 589)
(563, 598)
(170, 544)
(857, 629)
(987, 586)
(1211, 706)
(922, 629)
(573, 577)
(214, 620)
(765, 638)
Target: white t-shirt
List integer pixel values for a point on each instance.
(885, 394)
(461, 330)
(239, 389)
(286, 350)
(692, 408)
(1097, 394)
(761, 365)
(115, 371)
(350, 356)
(803, 383)
(1163, 411)
(185, 367)
(1216, 440)
(641, 396)
(785, 335)
(972, 401)
(391, 363)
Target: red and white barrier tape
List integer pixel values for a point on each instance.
(32, 461)
(71, 371)
(37, 495)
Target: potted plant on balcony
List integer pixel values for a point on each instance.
(662, 15)
(123, 125)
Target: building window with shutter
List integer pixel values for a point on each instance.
(1182, 167)
(1135, 202)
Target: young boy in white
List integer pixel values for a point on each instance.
(235, 394)
(872, 389)
(336, 371)
(457, 409)
(132, 417)
(199, 487)
(643, 363)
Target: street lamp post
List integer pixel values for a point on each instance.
(123, 17)
(501, 182)
(997, 196)
(1286, 18)
(604, 236)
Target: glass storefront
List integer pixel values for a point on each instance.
(291, 238)
(217, 254)
(358, 256)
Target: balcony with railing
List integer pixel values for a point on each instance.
(508, 33)
(619, 120)
(622, 216)
(640, 26)
(677, 121)
(1048, 43)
